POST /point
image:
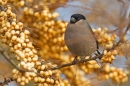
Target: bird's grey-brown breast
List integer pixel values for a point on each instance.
(79, 39)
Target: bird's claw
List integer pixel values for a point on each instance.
(82, 59)
(74, 61)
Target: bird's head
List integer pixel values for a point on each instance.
(76, 17)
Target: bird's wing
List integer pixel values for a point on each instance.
(92, 33)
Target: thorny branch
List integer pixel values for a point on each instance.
(77, 62)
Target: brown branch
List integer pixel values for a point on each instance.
(2, 8)
(63, 65)
(99, 56)
(6, 81)
(77, 62)
(8, 59)
(5, 54)
(93, 58)
(86, 60)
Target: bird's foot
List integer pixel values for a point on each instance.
(82, 58)
(75, 60)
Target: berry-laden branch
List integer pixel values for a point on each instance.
(9, 60)
(77, 62)
(54, 68)
(95, 57)
(68, 64)
(13, 64)
(29, 68)
(29, 65)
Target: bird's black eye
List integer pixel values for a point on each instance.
(72, 20)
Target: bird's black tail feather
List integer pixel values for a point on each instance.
(98, 52)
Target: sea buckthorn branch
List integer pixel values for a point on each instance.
(77, 62)
(117, 75)
(29, 67)
(9, 60)
(95, 57)
(54, 68)
(68, 64)
(20, 69)
(6, 81)
(14, 65)
(40, 69)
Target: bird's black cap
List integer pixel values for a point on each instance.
(76, 17)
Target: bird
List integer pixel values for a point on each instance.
(79, 37)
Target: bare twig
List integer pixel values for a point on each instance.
(121, 39)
